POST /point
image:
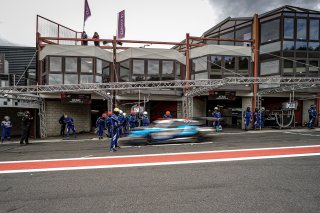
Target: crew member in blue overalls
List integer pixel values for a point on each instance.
(132, 120)
(125, 123)
(256, 119)
(101, 124)
(217, 115)
(247, 118)
(6, 127)
(167, 115)
(70, 125)
(312, 116)
(115, 130)
(145, 119)
(121, 120)
(109, 124)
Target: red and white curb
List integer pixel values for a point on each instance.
(156, 159)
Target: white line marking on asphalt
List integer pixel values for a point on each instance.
(159, 164)
(177, 153)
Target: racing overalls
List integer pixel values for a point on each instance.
(70, 126)
(6, 127)
(145, 120)
(115, 131)
(100, 124)
(216, 124)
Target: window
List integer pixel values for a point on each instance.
(243, 34)
(229, 62)
(215, 64)
(98, 79)
(167, 70)
(70, 79)
(270, 31)
(55, 79)
(101, 66)
(288, 45)
(314, 29)
(270, 47)
(244, 65)
(313, 68)
(71, 64)
(287, 66)
(86, 65)
(201, 75)
(153, 70)
(200, 64)
(288, 28)
(313, 46)
(178, 71)
(138, 70)
(301, 45)
(229, 35)
(124, 71)
(55, 64)
(85, 79)
(300, 66)
(269, 67)
(302, 29)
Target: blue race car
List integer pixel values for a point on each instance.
(169, 130)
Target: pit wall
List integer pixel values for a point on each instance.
(80, 113)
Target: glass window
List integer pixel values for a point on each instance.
(301, 45)
(124, 71)
(70, 79)
(288, 14)
(314, 46)
(86, 79)
(300, 66)
(102, 66)
(269, 67)
(86, 65)
(200, 64)
(288, 66)
(229, 62)
(71, 64)
(270, 31)
(215, 62)
(243, 34)
(229, 35)
(55, 79)
(244, 63)
(270, 47)
(55, 64)
(98, 79)
(201, 75)
(106, 74)
(302, 29)
(178, 71)
(288, 45)
(167, 70)
(153, 70)
(138, 70)
(314, 29)
(313, 66)
(288, 28)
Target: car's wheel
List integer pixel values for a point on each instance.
(149, 140)
(200, 138)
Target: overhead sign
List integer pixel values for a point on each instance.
(75, 98)
(2, 63)
(222, 95)
(121, 25)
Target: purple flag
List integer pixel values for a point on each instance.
(87, 12)
(121, 25)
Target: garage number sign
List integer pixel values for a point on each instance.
(75, 98)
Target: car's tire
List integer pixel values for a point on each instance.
(149, 140)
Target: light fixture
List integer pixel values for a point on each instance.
(247, 85)
(108, 93)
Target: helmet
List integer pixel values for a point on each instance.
(27, 112)
(109, 113)
(263, 109)
(116, 109)
(124, 114)
(7, 118)
(167, 112)
(216, 108)
(145, 113)
(120, 111)
(104, 115)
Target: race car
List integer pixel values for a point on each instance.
(162, 131)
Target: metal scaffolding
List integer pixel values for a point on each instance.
(43, 119)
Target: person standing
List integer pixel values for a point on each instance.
(109, 124)
(256, 119)
(247, 118)
(167, 115)
(101, 124)
(25, 127)
(70, 125)
(145, 119)
(62, 125)
(84, 36)
(115, 130)
(6, 127)
(217, 115)
(312, 116)
(263, 116)
(96, 37)
(132, 120)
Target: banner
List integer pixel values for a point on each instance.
(222, 95)
(87, 11)
(121, 32)
(75, 98)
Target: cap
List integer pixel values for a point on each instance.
(216, 108)
(145, 113)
